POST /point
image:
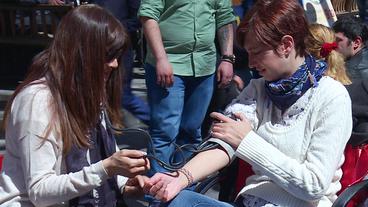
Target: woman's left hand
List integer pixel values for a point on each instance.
(230, 130)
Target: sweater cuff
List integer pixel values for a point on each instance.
(249, 147)
(100, 170)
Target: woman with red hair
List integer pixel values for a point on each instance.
(302, 122)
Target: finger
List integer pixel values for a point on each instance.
(223, 130)
(132, 153)
(220, 117)
(225, 80)
(229, 77)
(163, 83)
(138, 170)
(217, 129)
(220, 136)
(240, 116)
(141, 180)
(159, 79)
(132, 163)
(161, 192)
(168, 81)
(155, 188)
(132, 181)
(171, 80)
(239, 82)
(154, 179)
(222, 82)
(131, 189)
(148, 163)
(146, 187)
(218, 75)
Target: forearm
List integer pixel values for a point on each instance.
(225, 36)
(153, 36)
(200, 167)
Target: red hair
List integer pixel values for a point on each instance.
(269, 20)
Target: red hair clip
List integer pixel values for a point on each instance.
(327, 48)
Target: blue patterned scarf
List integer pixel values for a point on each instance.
(285, 92)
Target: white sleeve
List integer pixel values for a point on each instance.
(310, 179)
(30, 116)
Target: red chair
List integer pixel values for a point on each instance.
(1, 161)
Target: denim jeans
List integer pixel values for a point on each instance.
(177, 113)
(192, 199)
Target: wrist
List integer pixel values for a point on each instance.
(106, 163)
(162, 57)
(186, 176)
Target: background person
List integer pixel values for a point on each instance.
(351, 38)
(321, 44)
(126, 12)
(180, 67)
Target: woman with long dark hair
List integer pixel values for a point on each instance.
(59, 146)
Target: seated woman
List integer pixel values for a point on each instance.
(59, 146)
(321, 44)
(303, 121)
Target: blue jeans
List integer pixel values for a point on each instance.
(192, 199)
(176, 113)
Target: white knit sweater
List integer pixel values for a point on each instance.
(34, 172)
(297, 155)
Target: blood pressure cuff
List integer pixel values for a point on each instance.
(212, 143)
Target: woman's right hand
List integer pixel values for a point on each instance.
(128, 163)
(165, 187)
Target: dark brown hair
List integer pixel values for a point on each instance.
(87, 38)
(269, 20)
